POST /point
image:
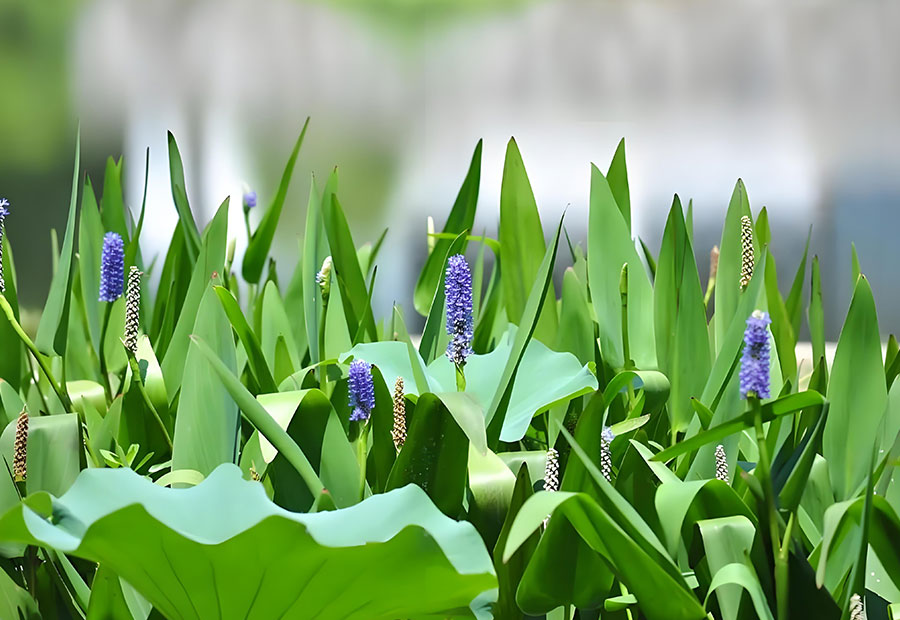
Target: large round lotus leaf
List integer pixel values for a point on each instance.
(223, 550)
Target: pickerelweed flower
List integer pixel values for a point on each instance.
(747, 264)
(721, 464)
(398, 432)
(20, 448)
(362, 390)
(4, 211)
(551, 470)
(249, 199)
(458, 296)
(132, 309)
(606, 438)
(323, 277)
(857, 608)
(112, 267)
(755, 359)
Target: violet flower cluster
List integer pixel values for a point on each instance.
(112, 267)
(362, 390)
(458, 296)
(754, 374)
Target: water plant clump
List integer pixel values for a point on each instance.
(615, 441)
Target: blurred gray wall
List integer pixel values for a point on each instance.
(800, 99)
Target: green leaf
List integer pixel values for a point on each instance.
(728, 277)
(261, 420)
(857, 393)
(815, 314)
(315, 249)
(682, 338)
(576, 329)
(782, 332)
(618, 183)
(660, 595)
(112, 204)
(222, 549)
(460, 220)
(208, 423)
(261, 241)
(347, 271)
(792, 403)
(743, 576)
(510, 572)
(11, 362)
(255, 358)
(794, 301)
(179, 195)
(90, 243)
(610, 246)
(434, 456)
(728, 541)
(54, 326)
(499, 407)
(521, 246)
(15, 602)
(211, 260)
(276, 328)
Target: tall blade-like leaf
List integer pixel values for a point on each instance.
(729, 274)
(618, 183)
(522, 245)
(461, 217)
(54, 326)
(857, 393)
(179, 195)
(261, 242)
(112, 204)
(815, 314)
(682, 338)
(90, 242)
(315, 249)
(610, 246)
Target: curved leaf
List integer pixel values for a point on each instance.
(223, 550)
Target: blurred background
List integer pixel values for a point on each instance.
(800, 99)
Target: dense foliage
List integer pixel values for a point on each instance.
(623, 443)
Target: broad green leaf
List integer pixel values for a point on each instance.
(276, 327)
(743, 576)
(434, 456)
(179, 195)
(347, 272)
(576, 329)
(498, 410)
(222, 549)
(521, 246)
(728, 291)
(610, 246)
(660, 595)
(857, 394)
(509, 572)
(15, 602)
(90, 243)
(460, 220)
(618, 183)
(255, 358)
(261, 241)
(491, 485)
(728, 540)
(210, 261)
(261, 420)
(208, 424)
(682, 339)
(54, 325)
(469, 415)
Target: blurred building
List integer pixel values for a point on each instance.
(800, 99)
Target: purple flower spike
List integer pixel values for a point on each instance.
(249, 199)
(755, 359)
(4, 203)
(362, 390)
(112, 267)
(460, 324)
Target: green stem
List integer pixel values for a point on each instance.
(763, 468)
(460, 378)
(136, 379)
(104, 372)
(323, 371)
(59, 388)
(362, 454)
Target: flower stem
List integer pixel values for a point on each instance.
(59, 388)
(104, 372)
(362, 454)
(763, 469)
(136, 379)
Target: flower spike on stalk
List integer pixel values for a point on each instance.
(112, 267)
(721, 464)
(132, 309)
(754, 374)
(746, 251)
(606, 439)
(362, 390)
(398, 432)
(4, 203)
(458, 295)
(857, 608)
(249, 198)
(323, 278)
(551, 471)
(20, 448)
